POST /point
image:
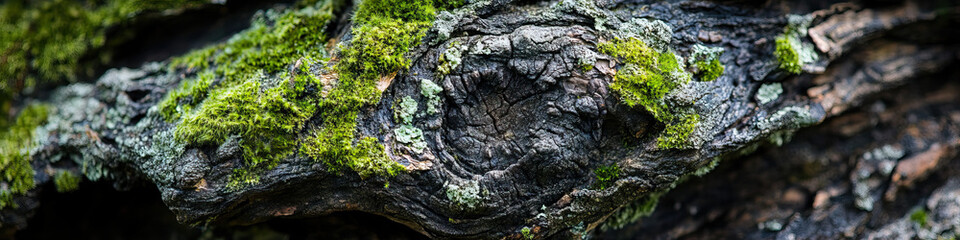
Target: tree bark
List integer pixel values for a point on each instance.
(526, 125)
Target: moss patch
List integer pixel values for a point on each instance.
(787, 54)
(790, 51)
(385, 31)
(645, 79)
(919, 217)
(50, 41)
(66, 181)
(16, 139)
(257, 87)
(606, 175)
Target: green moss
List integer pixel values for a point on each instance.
(525, 231)
(676, 133)
(185, 98)
(51, 41)
(634, 211)
(919, 216)
(66, 181)
(645, 79)
(239, 93)
(248, 89)
(266, 121)
(385, 30)
(16, 139)
(787, 55)
(706, 62)
(709, 71)
(606, 175)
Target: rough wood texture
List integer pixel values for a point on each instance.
(524, 122)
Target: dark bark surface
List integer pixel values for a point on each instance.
(525, 124)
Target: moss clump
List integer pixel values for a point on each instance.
(257, 86)
(66, 181)
(790, 51)
(711, 70)
(266, 121)
(606, 175)
(706, 62)
(186, 97)
(385, 30)
(787, 54)
(645, 79)
(525, 231)
(50, 41)
(919, 216)
(16, 139)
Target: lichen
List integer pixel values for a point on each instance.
(16, 140)
(606, 175)
(405, 110)
(431, 91)
(645, 79)
(769, 92)
(66, 181)
(411, 136)
(655, 33)
(450, 58)
(466, 195)
(792, 117)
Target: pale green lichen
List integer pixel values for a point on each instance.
(16, 140)
(583, 7)
(450, 58)
(405, 110)
(792, 117)
(66, 181)
(466, 195)
(431, 91)
(411, 136)
(655, 33)
(769, 92)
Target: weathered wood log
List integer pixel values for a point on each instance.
(504, 119)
